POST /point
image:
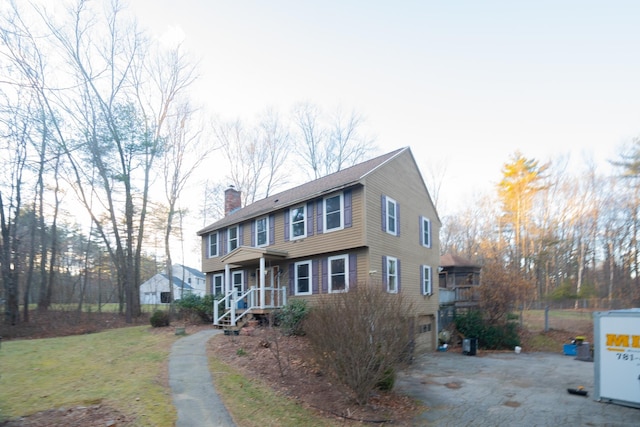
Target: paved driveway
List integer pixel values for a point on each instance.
(508, 389)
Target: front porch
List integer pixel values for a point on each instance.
(264, 295)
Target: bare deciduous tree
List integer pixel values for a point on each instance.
(329, 144)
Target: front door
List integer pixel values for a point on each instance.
(237, 282)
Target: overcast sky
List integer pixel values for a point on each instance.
(465, 84)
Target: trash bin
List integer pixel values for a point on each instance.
(469, 346)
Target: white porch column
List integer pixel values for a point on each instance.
(262, 283)
(227, 284)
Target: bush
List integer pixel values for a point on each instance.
(360, 337)
(490, 336)
(194, 306)
(291, 317)
(159, 319)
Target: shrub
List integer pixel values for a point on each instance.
(360, 337)
(490, 335)
(291, 317)
(159, 318)
(194, 306)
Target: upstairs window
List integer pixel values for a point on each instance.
(232, 238)
(213, 244)
(262, 231)
(298, 224)
(334, 213)
(390, 216)
(425, 231)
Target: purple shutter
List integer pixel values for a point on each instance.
(325, 275)
(398, 278)
(224, 242)
(286, 225)
(384, 213)
(292, 279)
(240, 234)
(254, 241)
(397, 219)
(315, 264)
(272, 229)
(384, 273)
(353, 271)
(309, 219)
(347, 209)
(319, 216)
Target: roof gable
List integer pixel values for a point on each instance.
(310, 190)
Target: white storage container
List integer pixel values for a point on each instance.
(617, 356)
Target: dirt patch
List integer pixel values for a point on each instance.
(301, 378)
(79, 416)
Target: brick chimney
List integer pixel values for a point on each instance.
(232, 200)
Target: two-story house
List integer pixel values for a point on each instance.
(373, 224)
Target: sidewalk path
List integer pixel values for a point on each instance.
(194, 395)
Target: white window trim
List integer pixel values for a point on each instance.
(304, 221)
(324, 216)
(310, 278)
(229, 238)
(395, 217)
(266, 231)
(217, 245)
(391, 259)
(426, 228)
(427, 277)
(330, 274)
(213, 283)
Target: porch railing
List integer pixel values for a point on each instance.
(237, 306)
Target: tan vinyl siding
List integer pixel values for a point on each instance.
(326, 242)
(405, 185)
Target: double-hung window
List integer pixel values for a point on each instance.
(392, 275)
(303, 278)
(425, 230)
(232, 238)
(217, 287)
(262, 231)
(426, 280)
(338, 273)
(213, 244)
(391, 218)
(298, 223)
(334, 213)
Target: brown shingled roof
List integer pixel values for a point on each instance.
(342, 179)
(450, 260)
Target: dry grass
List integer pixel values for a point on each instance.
(563, 325)
(120, 368)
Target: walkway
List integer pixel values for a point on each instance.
(194, 395)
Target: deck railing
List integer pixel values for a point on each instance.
(237, 306)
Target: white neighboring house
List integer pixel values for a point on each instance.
(186, 280)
